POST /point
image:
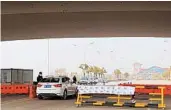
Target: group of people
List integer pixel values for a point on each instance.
(40, 77)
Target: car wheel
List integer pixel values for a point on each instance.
(39, 97)
(65, 95)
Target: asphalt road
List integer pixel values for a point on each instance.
(22, 102)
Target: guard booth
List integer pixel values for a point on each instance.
(16, 76)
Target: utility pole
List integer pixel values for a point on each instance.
(85, 50)
(48, 57)
(170, 72)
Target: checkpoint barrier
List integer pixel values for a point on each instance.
(159, 94)
(7, 89)
(15, 89)
(19, 89)
(150, 88)
(121, 100)
(32, 92)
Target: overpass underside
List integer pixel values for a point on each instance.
(39, 20)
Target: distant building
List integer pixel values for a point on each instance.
(153, 72)
(137, 68)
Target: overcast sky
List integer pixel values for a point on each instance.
(111, 53)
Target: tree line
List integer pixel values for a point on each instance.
(93, 71)
(118, 74)
(99, 72)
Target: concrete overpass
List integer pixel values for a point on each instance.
(38, 20)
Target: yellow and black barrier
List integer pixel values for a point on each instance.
(125, 101)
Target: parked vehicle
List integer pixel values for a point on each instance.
(84, 81)
(91, 81)
(60, 86)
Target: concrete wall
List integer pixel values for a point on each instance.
(80, 6)
(90, 24)
(38, 20)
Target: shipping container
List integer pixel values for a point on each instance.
(27, 76)
(12, 76)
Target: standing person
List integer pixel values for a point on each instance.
(39, 77)
(133, 99)
(74, 79)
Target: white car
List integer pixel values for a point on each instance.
(56, 86)
(83, 81)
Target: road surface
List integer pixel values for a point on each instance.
(21, 102)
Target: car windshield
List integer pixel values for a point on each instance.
(50, 80)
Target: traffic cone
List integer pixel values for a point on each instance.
(34, 91)
(31, 96)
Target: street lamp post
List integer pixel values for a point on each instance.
(170, 72)
(48, 57)
(85, 50)
(111, 56)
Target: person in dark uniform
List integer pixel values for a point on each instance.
(39, 77)
(74, 79)
(133, 99)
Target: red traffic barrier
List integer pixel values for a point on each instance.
(150, 88)
(15, 89)
(32, 92)
(7, 89)
(21, 89)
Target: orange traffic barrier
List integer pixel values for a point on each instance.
(168, 90)
(150, 88)
(7, 89)
(15, 89)
(21, 89)
(32, 92)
